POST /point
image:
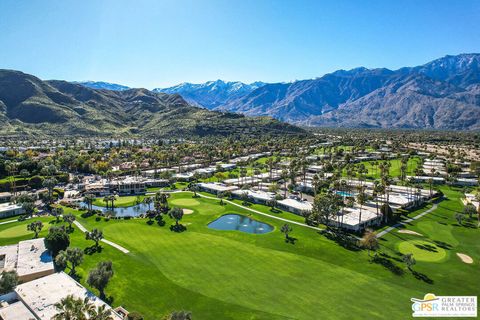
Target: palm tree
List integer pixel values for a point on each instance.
(106, 199)
(315, 184)
(70, 308)
(148, 201)
(100, 313)
(361, 199)
(89, 198)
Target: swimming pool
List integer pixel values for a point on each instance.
(345, 194)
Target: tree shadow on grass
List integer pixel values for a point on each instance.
(426, 247)
(290, 240)
(77, 277)
(343, 239)
(93, 249)
(382, 259)
(87, 214)
(443, 245)
(178, 228)
(469, 224)
(109, 300)
(275, 210)
(421, 276)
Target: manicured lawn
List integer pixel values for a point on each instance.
(234, 275)
(14, 230)
(374, 171)
(422, 250)
(124, 201)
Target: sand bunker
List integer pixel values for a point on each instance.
(409, 232)
(465, 258)
(187, 211)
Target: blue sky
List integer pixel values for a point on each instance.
(162, 43)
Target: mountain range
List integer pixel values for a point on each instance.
(29, 105)
(212, 94)
(442, 94)
(102, 85)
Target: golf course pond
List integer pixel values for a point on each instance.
(237, 222)
(132, 211)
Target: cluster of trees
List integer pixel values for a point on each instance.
(57, 242)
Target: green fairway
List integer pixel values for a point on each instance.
(15, 231)
(422, 250)
(123, 201)
(235, 275)
(374, 170)
(185, 202)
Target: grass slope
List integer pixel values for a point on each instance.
(233, 275)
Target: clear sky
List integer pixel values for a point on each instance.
(166, 42)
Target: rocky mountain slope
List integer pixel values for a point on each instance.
(442, 94)
(211, 94)
(29, 105)
(102, 85)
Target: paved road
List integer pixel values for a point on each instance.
(113, 244)
(384, 232)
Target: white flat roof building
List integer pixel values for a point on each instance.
(16, 311)
(41, 295)
(295, 206)
(215, 187)
(466, 182)
(241, 181)
(10, 209)
(427, 178)
(257, 196)
(351, 218)
(29, 258)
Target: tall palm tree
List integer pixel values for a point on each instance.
(89, 198)
(106, 199)
(361, 199)
(148, 201)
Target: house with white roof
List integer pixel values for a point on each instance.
(256, 196)
(10, 210)
(296, 206)
(37, 298)
(215, 187)
(29, 258)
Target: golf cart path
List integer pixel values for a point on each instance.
(262, 213)
(9, 221)
(384, 232)
(113, 244)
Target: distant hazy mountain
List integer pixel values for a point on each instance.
(29, 105)
(102, 85)
(442, 94)
(211, 94)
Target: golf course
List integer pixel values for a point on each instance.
(219, 274)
